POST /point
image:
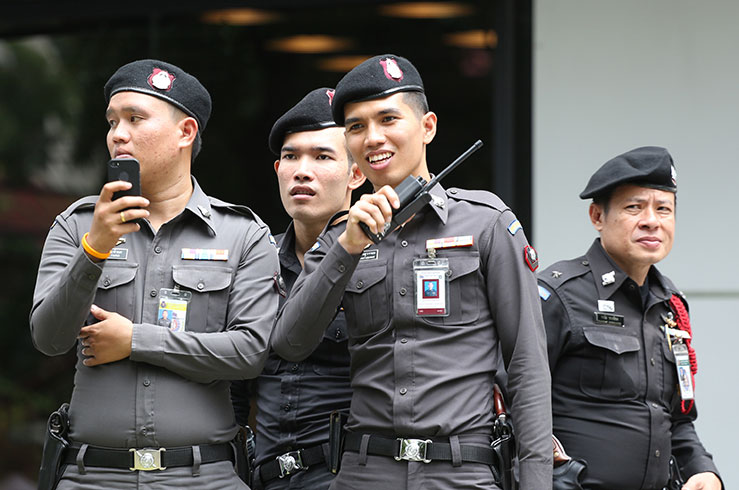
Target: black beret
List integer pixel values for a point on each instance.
(375, 78)
(166, 81)
(313, 112)
(648, 166)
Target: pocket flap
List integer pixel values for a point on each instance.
(365, 278)
(461, 266)
(202, 279)
(613, 341)
(117, 275)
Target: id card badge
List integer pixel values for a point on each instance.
(173, 309)
(431, 291)
(682, 362)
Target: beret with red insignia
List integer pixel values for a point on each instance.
(648, 166)
(165, 81)
(312, 113)
(374, 78)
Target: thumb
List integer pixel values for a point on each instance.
(99, 313)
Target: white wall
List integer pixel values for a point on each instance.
(613, 75)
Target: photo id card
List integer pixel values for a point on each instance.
(431, 287)
(682, 362)
(173, 309)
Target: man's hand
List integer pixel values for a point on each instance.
(110, 221)
(108, 340)
(374, 210)
(703, 481)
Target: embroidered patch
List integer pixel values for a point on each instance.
(531, 257)
(544, 293)
(514, 227)
(161, 80)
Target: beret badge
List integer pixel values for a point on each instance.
(391, 69)
(160, 79)
(330, 94)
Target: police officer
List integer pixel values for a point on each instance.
(423, 366)
(618, 331)
(145, 397)
(316, 177)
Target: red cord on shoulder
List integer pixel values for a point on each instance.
(683, 323)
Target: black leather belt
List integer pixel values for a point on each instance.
(150, 458)
(424, 450)
(290, 463)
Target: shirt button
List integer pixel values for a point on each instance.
(294, 368)
(147, 382)
(153, 293)
(585, 262)
(652, 361)
(342, 268)
(403, 291)
(654, 405)
(201, 285)
(657, 453)
(404, 243)
(106, 282)
(452, 191)
(403, 341)
(360, 284)
(143, 430)
(158, 250)
(403, 391)
(338, 333)
(286, 407)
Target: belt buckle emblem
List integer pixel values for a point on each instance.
(147, 459)
(290, 463)
(413, 450)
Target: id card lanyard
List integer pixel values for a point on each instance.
(676, 342)
(431, 279)
(173, 308)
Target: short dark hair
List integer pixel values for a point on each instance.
(417, 101)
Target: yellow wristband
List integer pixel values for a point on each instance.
(92, 251)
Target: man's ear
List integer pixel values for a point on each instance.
(357, 177)
(188, 127)
(597, 215)
(428, 121)
(277, 165)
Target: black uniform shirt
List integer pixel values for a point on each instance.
(294, 399)
(615, 401)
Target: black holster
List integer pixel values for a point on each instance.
(336, 423)
(676, 480)
(245, 443)
(568, 475)
(55, 444)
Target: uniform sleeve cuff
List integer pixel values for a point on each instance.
(146, 343)
(338, 264)
(535, 475)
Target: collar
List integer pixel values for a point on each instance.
(439, 202)
(199, 205)
(602, 265)
(286, 253)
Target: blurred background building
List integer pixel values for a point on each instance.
(554, 88)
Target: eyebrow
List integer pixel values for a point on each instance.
(126, 109)
(293, 149)
(389, 110)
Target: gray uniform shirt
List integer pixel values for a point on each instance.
(433, 376)
(169, 392)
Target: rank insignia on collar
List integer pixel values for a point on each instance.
(272, 240)
(204, 211)
(438, 201)
(531, 257)
(608, 278)
(315, 247)
(556, 274)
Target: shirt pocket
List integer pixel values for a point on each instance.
(116, 289)
(366, 303)
(465, 291)
(610, 364)
(210, 287)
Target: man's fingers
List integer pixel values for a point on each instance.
(106, 194)
(390, 195)
(98, 313)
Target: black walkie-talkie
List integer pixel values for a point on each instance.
(413, 194)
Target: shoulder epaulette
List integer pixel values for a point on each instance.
(560, 272)
(87, 202)
(481, 197)
(236, 208)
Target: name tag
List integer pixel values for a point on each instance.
(118, 254)
(204, 254)
(609, 319)
(370, 255)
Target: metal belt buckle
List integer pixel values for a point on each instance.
(290, 463)
(147, 459)
(413, 450)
